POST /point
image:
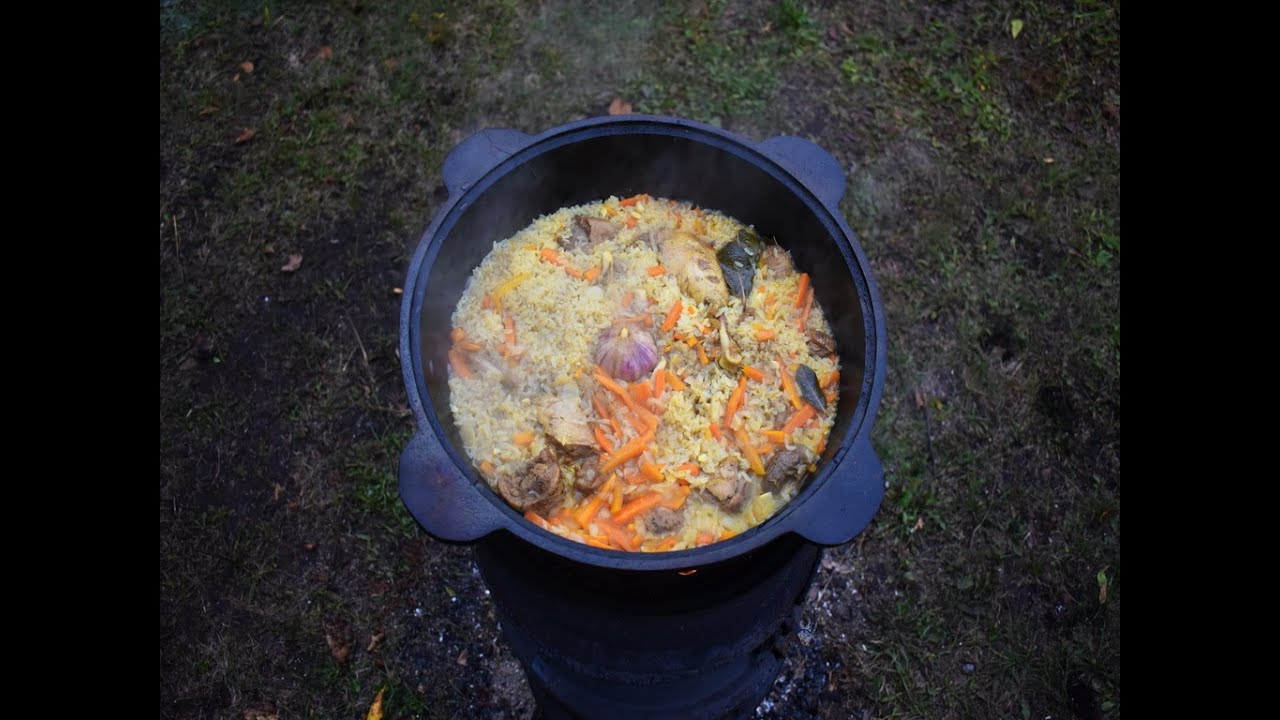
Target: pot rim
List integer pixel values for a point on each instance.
(856, 435)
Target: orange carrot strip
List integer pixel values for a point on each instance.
(634, 199)
(524, 439)
(797, 420)
(702, 356)
(804, 288)
(659, 384)
(486, 467)
(704, 538)
(808, 307)
(735, 400)
(672, 316)
(753, 373)
(822, 445)
(486, 302)
(748, 450)
(715, 431)
(637, 422)
(457, 334)
(459, 363)
(691, 341)
(641, 391)
(627, 297)
(651, 471)
(573, 272)
(776, 436)
(616, 504)
(596, 542)
(677, 500)
(656, 270)
(649, 418)
(617, 535)
(602, 440)
(789, 385)
(591, 274)
(506, 287)
(832, 379)
(536, 519)
(509, 323)
(690, 468)
(674, 380)
(633, 508)
(764, 448)
(597, 402)
(587, 512)
(666, 544)
(632, 449)
(726, 535)
(632, 222)
(635, 478)
(763, 334)
(550, 256)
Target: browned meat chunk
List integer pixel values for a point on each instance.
(777, 261)
(730, 491)
(820, 343)
(785, 464)
(663, 521)
(534, 487)
(565, 423)
(589, 477)
(696, 268)
(590, 231)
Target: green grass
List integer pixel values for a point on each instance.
(983, 182)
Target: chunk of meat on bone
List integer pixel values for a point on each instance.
(565, 423)
(777, 261)
(820, 343)
(731, 491)
(588, 231)
(785, 465)
(696, 269)
(663, 521)
(537, 487)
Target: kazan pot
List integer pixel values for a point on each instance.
(601, 633)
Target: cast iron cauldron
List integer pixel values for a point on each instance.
(637, 634)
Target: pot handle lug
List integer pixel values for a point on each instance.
(478, 154)
(810, 164)
(443, 501)
(845, 504)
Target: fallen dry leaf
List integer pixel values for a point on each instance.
(245, 136)
(374, 639)
(326, 53)
(295, 262)
(208, 110)
(619, 107)
(339, 650)
(462, 658)
(375, 710)
(266, 713)
(246, 67)
(235, 78)
(919, 399)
